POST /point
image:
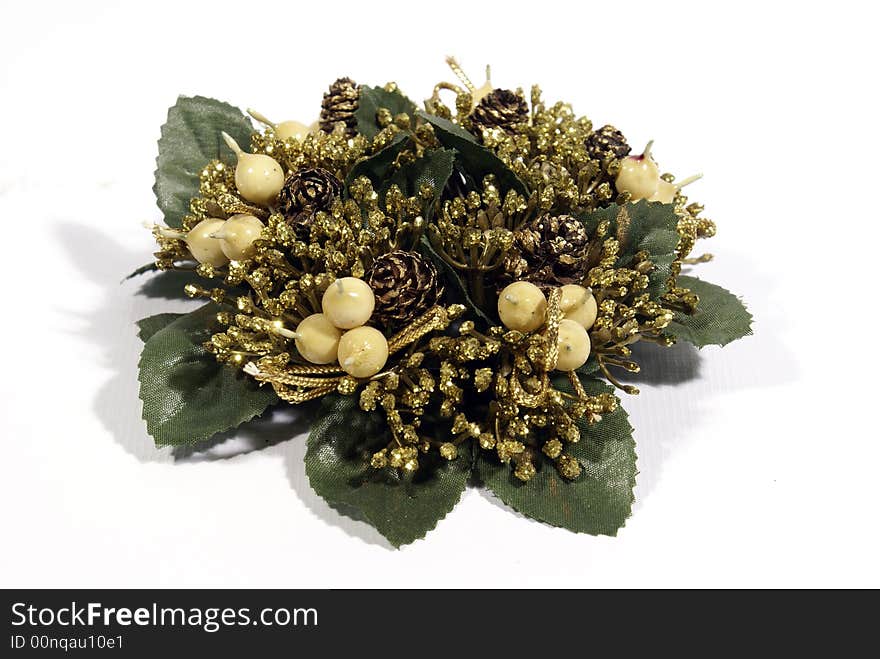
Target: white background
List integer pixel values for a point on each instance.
(759, 469)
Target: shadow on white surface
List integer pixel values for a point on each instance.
(273, 427)
(663, 431)
(110, 327)
(669, 418)
(677, 364)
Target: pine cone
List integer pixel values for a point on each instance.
(405, 285)
(309, 188)
(502, 109)
(339, 105)
(550, 250)
(304, 193)
(605, 142)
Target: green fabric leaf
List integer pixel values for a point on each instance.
(720, 318)
(653, 228)
(476, 160)
(371, 100)
(190, 138)
(433, 168)
(402, 509)
(660, 244)
(456, 290)
(599, 500)
(149, 267)
(379, 166)
(152, 324)
(645, 217)
(188, 396)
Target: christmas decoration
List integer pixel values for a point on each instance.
(339, 106)
(607, 142)
(303, 194)
(458, 288)
(406, 285)
(308, 189)
(501, 108)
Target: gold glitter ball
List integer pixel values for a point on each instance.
(379, 459)
(568, 467)
(524, 470)
(552, 449)
(482, 379)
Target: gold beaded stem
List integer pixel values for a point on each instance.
(289, 379)
(437, 318)
(554, 317)
(460, 74)
(576, 385)
(297, 396)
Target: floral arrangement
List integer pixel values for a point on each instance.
(450, 292)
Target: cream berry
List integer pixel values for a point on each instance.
(237, 236)
(639, 175)
(258, 177)
(285, 129)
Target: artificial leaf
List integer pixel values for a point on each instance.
(434, 168)
(599, 500)
(660, 244)
(456, 290)
(190, 138)
(721, 317)
(149, 267)
(475, 159)
(188, 395)
(402, 508)
(379, 166)
(640, 219)
(371, 100)
(152, 324)
(646, 226)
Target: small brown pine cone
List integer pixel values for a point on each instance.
(339, 105)
(405, 284)
(304, 193)
(502, 109)
(314, 188)
(607, 142)
(550, 250)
